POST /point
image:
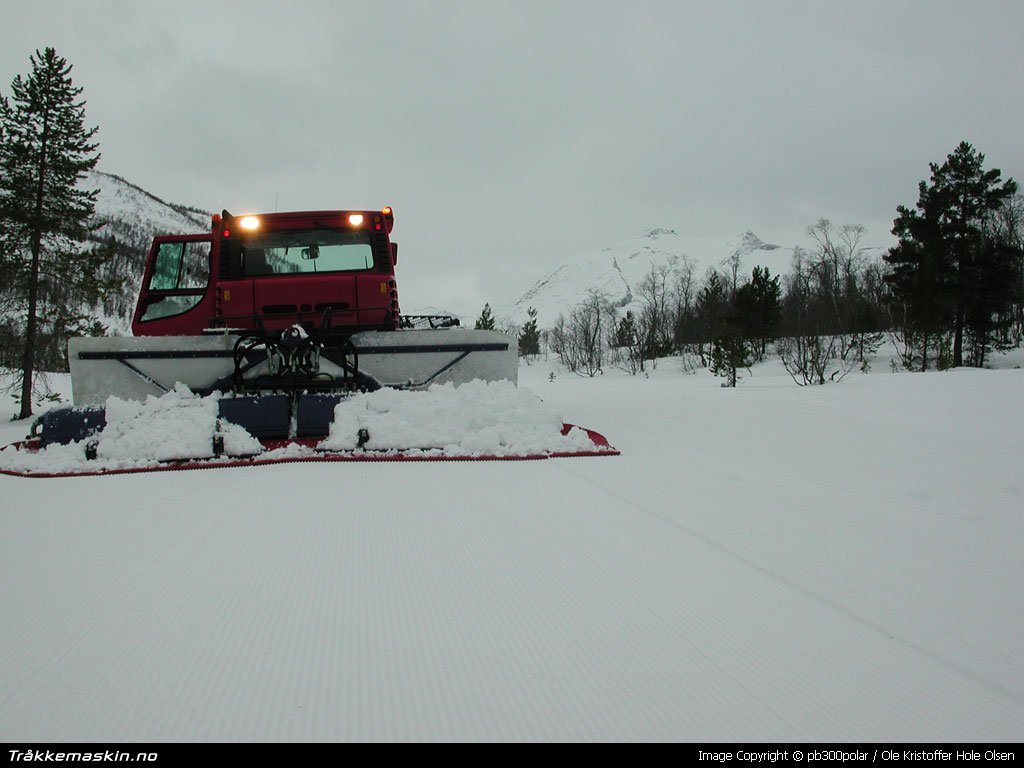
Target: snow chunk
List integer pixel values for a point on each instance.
(237, 441)
(177, 425)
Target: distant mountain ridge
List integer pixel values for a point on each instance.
(117, 196)
(618, 269)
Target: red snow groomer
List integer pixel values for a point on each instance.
(269, 272)
(283, 315)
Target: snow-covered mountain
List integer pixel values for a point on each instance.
(121, 201)
(618, 269)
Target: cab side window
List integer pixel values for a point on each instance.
(181, 272)
(181, 267)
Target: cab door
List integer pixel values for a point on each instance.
(176, 297)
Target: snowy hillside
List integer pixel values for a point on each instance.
(618, 269)
(121, 201)
(767, 563)
(132, 217)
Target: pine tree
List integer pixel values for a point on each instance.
(486, 320)
(45, 150)
(758, 305)
(729, 353)
(991, 295)
(946, 274)
(627, 345)
(712, 306)
(529, 336)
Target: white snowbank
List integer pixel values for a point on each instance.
(475, 419)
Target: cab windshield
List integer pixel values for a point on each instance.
(293, 251)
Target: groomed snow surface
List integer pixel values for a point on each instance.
(767, 563)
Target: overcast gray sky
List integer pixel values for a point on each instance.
(511, 135)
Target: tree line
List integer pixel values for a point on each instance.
(948, 294)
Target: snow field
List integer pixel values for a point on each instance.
(766, 563)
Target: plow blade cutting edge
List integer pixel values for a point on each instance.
(275, 452)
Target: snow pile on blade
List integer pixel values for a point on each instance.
(179, 425)
(474, 420)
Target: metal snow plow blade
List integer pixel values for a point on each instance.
(136, 367)
(477, 421)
